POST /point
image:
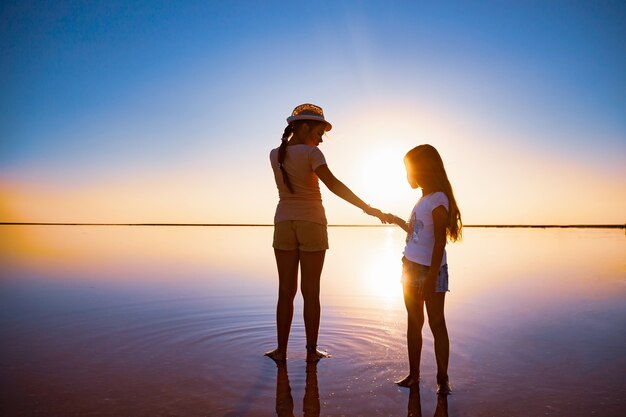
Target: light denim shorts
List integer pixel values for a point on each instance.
(300, 234)
(414, 274)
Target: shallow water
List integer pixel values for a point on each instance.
(110, 321)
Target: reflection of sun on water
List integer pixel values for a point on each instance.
(382, 273)
(383, 276)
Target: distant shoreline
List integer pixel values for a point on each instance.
(500, 226)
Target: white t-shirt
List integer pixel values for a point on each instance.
(420, 240)
(305, 203)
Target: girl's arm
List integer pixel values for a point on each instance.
(440, 220)
(341, 190)
(397, 220)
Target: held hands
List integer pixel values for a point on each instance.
(383, 217)
(395, 219)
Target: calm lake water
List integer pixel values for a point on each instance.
(173, 321)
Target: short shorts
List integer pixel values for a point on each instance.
(300, 234)
(414, 274)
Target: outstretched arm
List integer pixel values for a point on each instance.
(397, 220)
(341, 190)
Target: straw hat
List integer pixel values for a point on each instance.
(308, 111)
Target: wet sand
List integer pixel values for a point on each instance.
(155, 322)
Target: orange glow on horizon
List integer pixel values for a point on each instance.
(96, 249)
(493, 182)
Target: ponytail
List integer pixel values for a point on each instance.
(282, 153)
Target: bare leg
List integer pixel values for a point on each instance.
(414, 303)
(311, 264)
(437, 321)
(287, 263)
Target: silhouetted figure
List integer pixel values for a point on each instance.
(434, 219)
(300, 235)
(284, 400)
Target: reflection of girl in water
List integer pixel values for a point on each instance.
(434, 219)
(284, 400)
(300, 237)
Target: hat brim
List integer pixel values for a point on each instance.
(309, 117)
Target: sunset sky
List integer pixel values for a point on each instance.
(166, 111)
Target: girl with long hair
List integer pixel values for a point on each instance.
(434, 220)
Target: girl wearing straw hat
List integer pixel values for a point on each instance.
(300, 236)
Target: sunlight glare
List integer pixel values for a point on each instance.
(382, 273)
(382, 170)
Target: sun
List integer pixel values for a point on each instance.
(382, 172)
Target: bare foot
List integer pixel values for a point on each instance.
(314, 355)
(276, 355)
(408, 381)
(444, 388)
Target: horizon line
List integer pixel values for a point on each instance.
(536, 226)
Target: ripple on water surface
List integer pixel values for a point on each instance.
(191, 357)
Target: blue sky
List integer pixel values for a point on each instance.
(105, 93)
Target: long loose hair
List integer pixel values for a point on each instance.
(427, 164)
